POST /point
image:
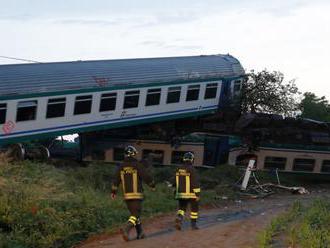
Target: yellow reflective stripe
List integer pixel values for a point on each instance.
(132, 219)
(197, 190)
(135, 186)
(123, 180)
(133, 196)
(177, 182)
(185, 196)
(180, 212)
(134, 222)
(187, 184)
(193, 215)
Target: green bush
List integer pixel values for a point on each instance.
(44, 206)
(220, 175)
(314, 231)
(166, 173)
(306, 227)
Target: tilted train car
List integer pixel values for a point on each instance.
(209, 149)
(295, 145)
(50, 99)
(285, 158)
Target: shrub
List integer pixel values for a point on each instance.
(43, 206)
(220, 175)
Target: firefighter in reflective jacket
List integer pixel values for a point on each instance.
(187, 191)
(131, 173)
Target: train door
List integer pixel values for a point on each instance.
(215, 150)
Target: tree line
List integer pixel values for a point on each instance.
(268, 92)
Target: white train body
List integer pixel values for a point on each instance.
(54, 111)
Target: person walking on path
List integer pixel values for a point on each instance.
(187, 191)
(131, 174)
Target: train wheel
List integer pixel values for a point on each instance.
(16, 152)
(44, 153)
(37, 153)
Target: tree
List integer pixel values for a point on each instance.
(313, 107)
(266, 92)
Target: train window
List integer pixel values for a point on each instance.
(26, 111)
(325, 166)
(193, 93)
(157, 160)
(55, 108)
(98, 154)
(131, 99)
(275, 163)
(237, 86)
(173, 94)
(244, 159)
(118, 154)
(108, 102)
(177, 157)
(83, 105)
(153, 97)
(303, 164)
(211, 91)
(3, 112)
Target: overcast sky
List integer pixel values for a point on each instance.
(292, 36)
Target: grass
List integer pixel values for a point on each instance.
(278, 225)
(45, 206)
(305, 227)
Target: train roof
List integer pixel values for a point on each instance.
(17, 80)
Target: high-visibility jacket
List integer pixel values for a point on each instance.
(187, 183)
(131, 173)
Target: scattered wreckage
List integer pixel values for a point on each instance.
(258, 190)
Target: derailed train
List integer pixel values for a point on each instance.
(49, 99)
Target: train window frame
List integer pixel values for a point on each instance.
(302, 166)
(83, 104)
(325, 166)
(173, 94)
(118, 157)
(211, 91)
(98, 154)
(160, 160)
(3, 113)
(275, 160)
(177, 159)
(242, 160)
(132, 95)
(108, 102)
(153, 97)
(26, 110)
(58, 105)
(235, 88)
(193, 92)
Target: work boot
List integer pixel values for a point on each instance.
(125, 230)
(178, 222)
(139, 231)
(194, 225)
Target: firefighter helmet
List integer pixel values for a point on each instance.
(130, 151)
(188, 157)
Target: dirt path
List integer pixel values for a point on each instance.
(234, 225)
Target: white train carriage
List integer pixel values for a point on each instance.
(285, 158)
(49, 99)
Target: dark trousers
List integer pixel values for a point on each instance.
(135, 208)
(183, 204)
